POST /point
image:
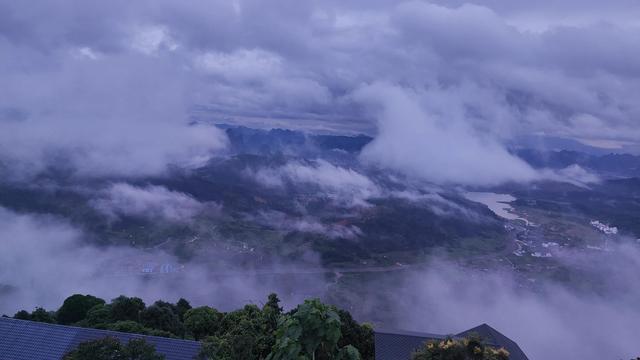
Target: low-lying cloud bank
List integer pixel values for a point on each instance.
(551, 322)
(152, 202)
(44, 260)
(343, 185)
(281, 221)
(572, 174)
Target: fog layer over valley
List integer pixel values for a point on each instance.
(303, 216)
(427, 165)
(45, 259)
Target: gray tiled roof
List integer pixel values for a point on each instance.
(28, 340)
(399, 344)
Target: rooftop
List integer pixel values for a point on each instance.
(391, 344)
(29, 340)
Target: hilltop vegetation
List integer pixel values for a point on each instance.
(310, 330)
(469, 348)
(110, 348)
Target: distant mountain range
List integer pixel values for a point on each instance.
(539, 152)
(282, 192)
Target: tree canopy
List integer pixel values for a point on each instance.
(469, 348)
(110, 348)
(75, 308)
(309, 332)
(202, 321)
(126, 308)
(162, 316)
(312, 330)
(39, 314)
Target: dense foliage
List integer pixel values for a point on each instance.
(312, 330)
(111, 349)
(75, 308)
(470, 348)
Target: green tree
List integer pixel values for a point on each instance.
(202, 321)
(39, 314)
(22, 315)
(496, 354)
(75, 308)
(172, 307)
(273, 303)
(247, 333)
(311, 330)
(127, 326)
(215, 348)
(126, 308)
(162, 316)
(469, 348)
(139, 349)
(109, 348)
(97, 315)
(272, 312)
(42, 315)
(183, 306)
(133, 327)
(348, 352)
(359, 336)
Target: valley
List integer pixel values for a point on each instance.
(264, 211)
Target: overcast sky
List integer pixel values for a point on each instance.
(119, 80)
(112, 88)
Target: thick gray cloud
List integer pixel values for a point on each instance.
(307, 224)
(153, 202)
(344, 186)
(109, 89)
(440, 149)
(122, 114)
(111, 85)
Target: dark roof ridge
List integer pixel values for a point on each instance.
(97, 330)
(393, 331)
(461, 335)
(32, 340)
